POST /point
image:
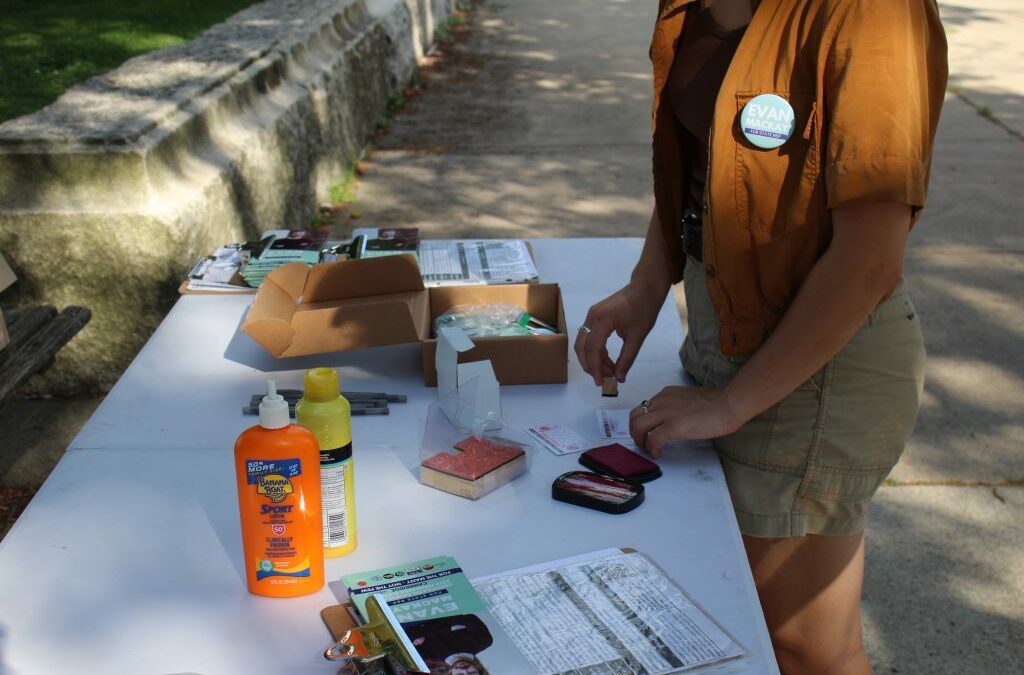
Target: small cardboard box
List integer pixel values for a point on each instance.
(353, 304)
(532, 359)
(6, 279)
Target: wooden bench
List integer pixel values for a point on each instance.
(37, 334)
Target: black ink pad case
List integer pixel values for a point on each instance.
(594, 491)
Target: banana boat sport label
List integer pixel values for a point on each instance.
(279, 553)
(767, 121)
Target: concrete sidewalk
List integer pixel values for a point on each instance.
(537, 124)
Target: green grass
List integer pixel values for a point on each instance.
(344, 191)
(443, 31)
(48, 45)
(443, 34)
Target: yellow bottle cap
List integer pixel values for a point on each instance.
(321, 384)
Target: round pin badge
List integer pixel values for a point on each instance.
(767, 121)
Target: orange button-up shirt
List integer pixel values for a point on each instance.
(866, 80)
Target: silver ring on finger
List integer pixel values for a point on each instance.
(645, 406)
(585, 330)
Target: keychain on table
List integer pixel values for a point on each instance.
(381, 647)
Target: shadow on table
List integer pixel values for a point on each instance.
(337, 588)
(221, 509)
(395, 361)
(409, 457)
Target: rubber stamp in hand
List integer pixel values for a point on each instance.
(610, 387)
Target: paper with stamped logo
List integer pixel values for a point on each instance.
(614, 424)
(558, 439)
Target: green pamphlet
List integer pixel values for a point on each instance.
(442, 615)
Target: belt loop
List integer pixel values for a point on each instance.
(814, 384)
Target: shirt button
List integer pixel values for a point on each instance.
(711, 272)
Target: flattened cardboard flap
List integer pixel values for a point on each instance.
(336, 307)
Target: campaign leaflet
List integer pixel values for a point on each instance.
(442, 614)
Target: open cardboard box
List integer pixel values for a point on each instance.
(353, 304)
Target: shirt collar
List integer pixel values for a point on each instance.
(672, 5)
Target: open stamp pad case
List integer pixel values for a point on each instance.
(594, 491)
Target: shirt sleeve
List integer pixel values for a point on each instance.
(884, 84)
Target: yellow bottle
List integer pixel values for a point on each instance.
(325, 412)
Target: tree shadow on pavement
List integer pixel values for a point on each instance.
(942, 586)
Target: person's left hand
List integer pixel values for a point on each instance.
(679, 413)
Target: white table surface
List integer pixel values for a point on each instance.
(129, 558)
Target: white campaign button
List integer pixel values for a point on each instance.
(767, 121)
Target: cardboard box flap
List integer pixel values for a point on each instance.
(357, 323)
(347, 279)
(290, 278)
(279, 294)
(339, 306)
(6, 274)
(269, 318)
(274, 335)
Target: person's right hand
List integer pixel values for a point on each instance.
(630, 313)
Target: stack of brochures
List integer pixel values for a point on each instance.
(220, 272)
(456, 262)
(443, 262)
(442, 614)
(302, 246)
(369, 242)
(451, 262)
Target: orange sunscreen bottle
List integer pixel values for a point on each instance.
(277, 467)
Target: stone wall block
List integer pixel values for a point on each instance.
(109, 195)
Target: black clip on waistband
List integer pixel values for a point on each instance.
(693, 239)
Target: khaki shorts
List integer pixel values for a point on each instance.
(811, 463)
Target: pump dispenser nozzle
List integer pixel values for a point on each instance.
(274, 409)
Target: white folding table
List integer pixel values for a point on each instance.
(129, 558)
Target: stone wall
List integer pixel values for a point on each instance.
(110, 194)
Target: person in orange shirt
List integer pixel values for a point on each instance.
(791, 154)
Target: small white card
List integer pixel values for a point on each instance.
(613, 423)
(558, 439)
